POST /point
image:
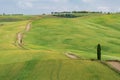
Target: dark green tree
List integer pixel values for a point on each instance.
(4, 14)
(99, 52)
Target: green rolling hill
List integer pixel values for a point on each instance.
(43, 56)
(77, 35)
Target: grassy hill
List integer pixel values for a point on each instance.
(45, 45)
(12, 18)
(77, 35)
(56, 70)
(8, 33)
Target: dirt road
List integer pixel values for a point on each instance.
(19, 37)
(72, 56)
(114, 64)
(28, 27)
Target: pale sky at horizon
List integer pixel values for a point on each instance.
(47, 6)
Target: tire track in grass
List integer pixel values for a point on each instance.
(26, 70)
(55, 70)
(59, 69)
(51, 74)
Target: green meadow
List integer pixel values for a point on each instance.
(77, 35)
(42, 56)
(14, 18)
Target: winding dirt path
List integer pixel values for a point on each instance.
(19, 37)
(71, 55)
(114, 64)
(28, 27)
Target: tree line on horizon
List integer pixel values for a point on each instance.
(4, 14)
(75, 12)
(72, 14)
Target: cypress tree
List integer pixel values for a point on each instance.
(99, 52)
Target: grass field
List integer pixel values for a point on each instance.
(76, 35)
(56, 70)
(45, 45)
(8, 34)
(15, 18)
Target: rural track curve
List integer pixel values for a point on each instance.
(19, 37)
(114, 64)
(71, 55)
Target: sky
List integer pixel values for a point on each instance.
(47, 6)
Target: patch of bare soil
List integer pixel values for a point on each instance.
(28, 27)
(114, 64)
(19, 37)
(71, 55)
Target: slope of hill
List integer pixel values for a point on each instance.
(8, 32)
(45, 45)
(11, 18)
(77, 35)
(56, 70)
